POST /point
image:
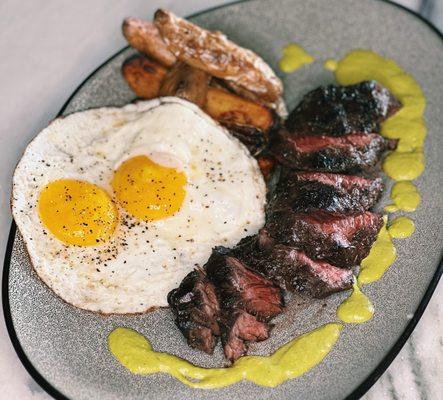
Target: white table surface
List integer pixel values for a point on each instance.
(48, 47)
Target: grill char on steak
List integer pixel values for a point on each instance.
(342, 240)
(340, 110)
(247, 301)
(352, 153)
(334, 193)
(196, 309)
(226, 299)
(292, 269)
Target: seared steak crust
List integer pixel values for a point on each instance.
(226, 299)
(292, 269)
(196, 309)
(334, 193)
(238, 287)
(238, 328)
(247, 301)
(352, 153)
(342, 240)
(340, 110)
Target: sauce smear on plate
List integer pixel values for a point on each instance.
(357, 308)
(290, 361)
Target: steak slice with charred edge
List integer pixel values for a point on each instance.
(292, 269)
(239, 287)
(340, 110)
(196, 310)
(334, 193)
(352, 153)
(342, 240)
(247, 301)
(238, 328)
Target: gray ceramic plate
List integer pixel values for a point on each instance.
(65, 348)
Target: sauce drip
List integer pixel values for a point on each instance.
(401, 228)
(381, 256)
(294, 57)
(357, 308)
(290, 361)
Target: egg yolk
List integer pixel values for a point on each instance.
(77, 212)
(149, 191)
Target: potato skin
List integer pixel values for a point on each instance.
(143, 76)
(266, 164)
(144, 37)
(231, 109)
(186, 82)
(215, 54)
(254, 139)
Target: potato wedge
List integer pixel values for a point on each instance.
(144, 36)
(254, 139)
(186, 82)
(278, 106)
(231, 109)
(214, 53)
(144, 76)
(266, 165)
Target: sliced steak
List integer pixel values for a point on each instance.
(238, 287)
(340, 110)
(334, 193)
(352, 153)
(238, 328)
(293, 269)
(247, 301)
(342, 240)
(196, 310)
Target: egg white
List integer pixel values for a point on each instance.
(134, 271)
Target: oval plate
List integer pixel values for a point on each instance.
(65, 349)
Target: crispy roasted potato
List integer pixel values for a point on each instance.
(214, 53)
(266, 165)
(278, 106)
(231, 109)
(254, 139)
(144, 36)
(186, 82)
(144, 76)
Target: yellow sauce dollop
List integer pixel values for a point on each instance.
(294, 57)
(290, 361)
(401, 228)
(357, 308)
(405, 196)
(380, 258)
(330, 64)
(404, 166)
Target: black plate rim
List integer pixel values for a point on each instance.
(356, 394)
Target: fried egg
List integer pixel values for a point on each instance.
(117, 205)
